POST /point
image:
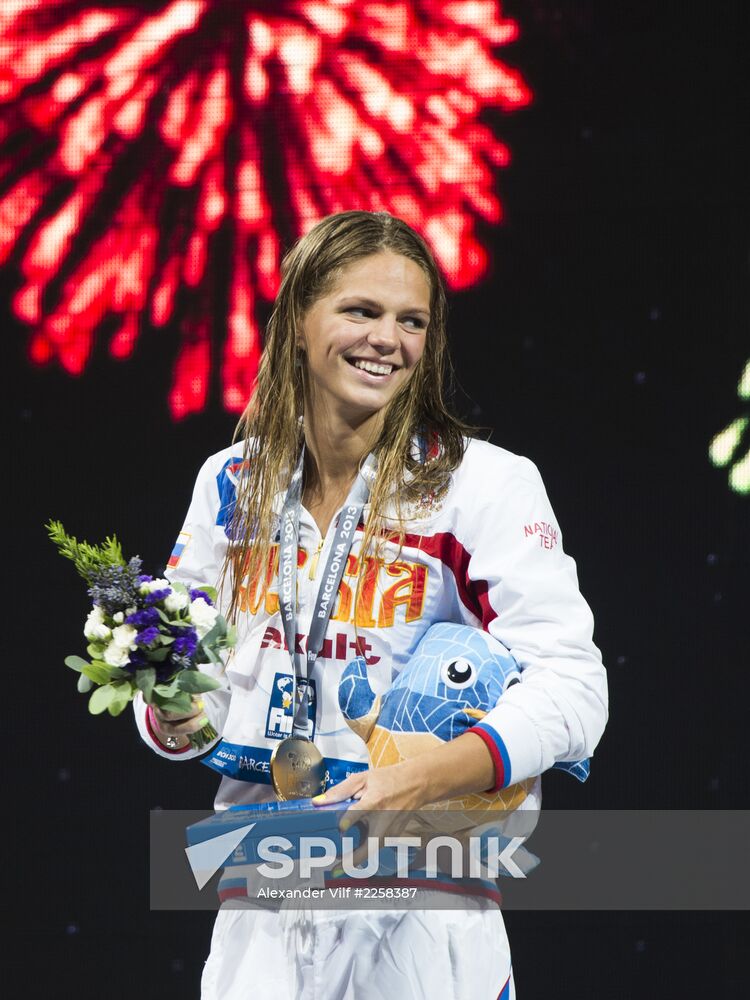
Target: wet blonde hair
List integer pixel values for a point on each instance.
(271, 426)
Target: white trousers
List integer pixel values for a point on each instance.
(316, 954)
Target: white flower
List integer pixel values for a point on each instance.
(95, 627)
(96, 614)
(119, 617)
(116, 656)
(149, 586)
(124, 636)
(202, 616)
(176, 601)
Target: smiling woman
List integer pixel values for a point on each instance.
(359, 287)
(381, 341)
(358, 353)
(349, 455)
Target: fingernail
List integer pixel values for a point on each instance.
(203, 721)
(344, 825)
(319, 798)
(337, 872)
(199, 703)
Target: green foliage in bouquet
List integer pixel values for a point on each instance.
(87, 559)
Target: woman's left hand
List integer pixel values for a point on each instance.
(386, 798)
(393, 787)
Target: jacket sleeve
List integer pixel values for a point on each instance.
(197, 558)
(528, 590)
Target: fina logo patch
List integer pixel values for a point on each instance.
(281, 707)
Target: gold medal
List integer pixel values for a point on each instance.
(297, 769)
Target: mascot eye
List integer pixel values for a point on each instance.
(457, 673)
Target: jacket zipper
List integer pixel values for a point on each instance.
(314, 561)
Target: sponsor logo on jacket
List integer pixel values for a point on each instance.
(341, 646)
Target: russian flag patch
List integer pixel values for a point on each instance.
(182, 539)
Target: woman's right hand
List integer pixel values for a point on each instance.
(179, 725)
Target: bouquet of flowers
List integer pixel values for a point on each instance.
(145, 634)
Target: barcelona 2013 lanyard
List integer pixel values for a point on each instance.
(296, 767)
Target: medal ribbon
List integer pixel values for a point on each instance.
(329, 584)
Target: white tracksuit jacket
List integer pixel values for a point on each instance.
(490, 555)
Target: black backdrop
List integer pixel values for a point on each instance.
(606, 346)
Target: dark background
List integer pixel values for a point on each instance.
(606, 346)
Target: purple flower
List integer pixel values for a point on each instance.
(137, 659)
(146, 616)
(187, 642)
(164, 671)
(195, 594)
(145, 578)
(147, 636)
(157, 595)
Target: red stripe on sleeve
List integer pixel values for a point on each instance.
(496, 759)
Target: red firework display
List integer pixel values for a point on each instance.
(148, 148)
